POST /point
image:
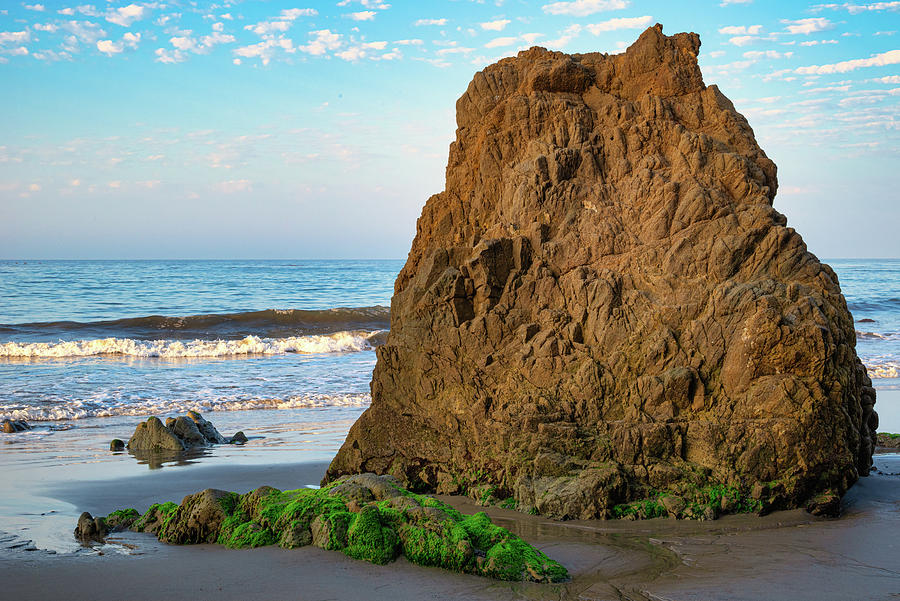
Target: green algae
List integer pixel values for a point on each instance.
(374, 524)
(156, 518)
(690, 502)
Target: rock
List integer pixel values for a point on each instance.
(178, 434)
(425, 530)
(826, 504)
(121, 520)
(116, 444)
(887, 441)
(208, 431)
(90, 528)
(152, 435)
(604, 304)
(673, 504)
(197, 519)
(10, 426)
(186, 429)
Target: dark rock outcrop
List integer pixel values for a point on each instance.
(604, 306)
(90, 529)
(887, 442)
(11, 426)
(178, 434)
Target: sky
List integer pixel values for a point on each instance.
(268, 129)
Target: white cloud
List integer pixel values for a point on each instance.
(266, 49)
(854, 9)
(716, 53)
(282, 22)
(377, 4)
(817, 42)
(365, 15)
(570, 33)
(353, 53)
(757, 54)
(164, 55)
(892, 57)
(422, 22)
(15, 37)
(583, 8)
(746, 40)
(83, 31)
(67, 11)
(455, 50)
(34, 187)
(891, 32)
(48, 27)
(505, 41)
(323, 40)
(149, 184)
(292, 14)
(36, 7)
(620, 23)
(807, 26)
(126, 15)
(115, 185)
(727, 2)
(888, 79)
(497, 25)
(108, 47)
(265, 28)
(412, 42)
(741, 30)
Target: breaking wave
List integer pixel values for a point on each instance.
(271, 323)
(92, 408)
(877, 335)
(338, 342)
(883, 369)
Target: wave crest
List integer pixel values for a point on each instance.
(339, 342)
(87, 408)
(271, 323)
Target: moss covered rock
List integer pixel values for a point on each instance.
(365, 516)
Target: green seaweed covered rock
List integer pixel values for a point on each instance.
(365, 516)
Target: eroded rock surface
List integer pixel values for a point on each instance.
(603, 304)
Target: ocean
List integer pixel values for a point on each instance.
(83, 339)
(282, 350)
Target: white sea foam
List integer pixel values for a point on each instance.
(888, 368)
(79, 409)
(877, 335)
(339, 342)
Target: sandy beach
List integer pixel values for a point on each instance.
(786, 555)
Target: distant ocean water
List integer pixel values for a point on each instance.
(102, 338)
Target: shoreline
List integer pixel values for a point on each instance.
(739, 557)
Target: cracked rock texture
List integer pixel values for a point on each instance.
(603, 303)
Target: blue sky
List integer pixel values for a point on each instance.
(280, 129)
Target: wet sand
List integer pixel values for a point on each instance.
(785, 555)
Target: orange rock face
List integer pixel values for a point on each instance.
(603, 303)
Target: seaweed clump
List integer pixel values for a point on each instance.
(365, 516)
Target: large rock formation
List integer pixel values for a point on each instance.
(603, 304)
